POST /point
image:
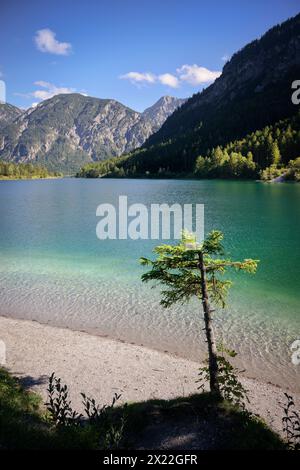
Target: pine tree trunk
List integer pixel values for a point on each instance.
(210, 335)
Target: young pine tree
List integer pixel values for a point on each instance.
(189, 269)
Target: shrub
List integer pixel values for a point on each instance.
(230, 387)
(291, 424)
(107, 428)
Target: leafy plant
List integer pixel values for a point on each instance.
(231, 388)
(100, 417)
(94, 412)
(115, 433)
(291, 424)
(58, 404)
(108, 429)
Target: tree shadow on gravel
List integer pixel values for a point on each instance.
(27, 381)
(195, 422)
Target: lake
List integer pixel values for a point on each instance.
(55, 270)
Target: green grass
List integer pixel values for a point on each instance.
(24, 423)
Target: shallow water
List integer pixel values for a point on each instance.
(55, 270)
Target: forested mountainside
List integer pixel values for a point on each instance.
(254, 91)
(264, 153)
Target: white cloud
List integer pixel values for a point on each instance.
(45, 91)
(142, 78)
(48, 90)
(42, 83)
(169, 79)
(46, 42)
(192, 74)
(195, 75)
(138, 77)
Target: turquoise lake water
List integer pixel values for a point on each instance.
(55, 270)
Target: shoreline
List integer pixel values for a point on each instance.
(2, 178)
(151, 348)
(100, 366)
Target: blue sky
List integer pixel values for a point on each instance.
(132, 51)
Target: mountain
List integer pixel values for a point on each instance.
(161, 110)
(253, 91)
(8, 113)
(67, 131)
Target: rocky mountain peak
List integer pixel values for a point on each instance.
(164, 107)
(69, 130)
(8, 113)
